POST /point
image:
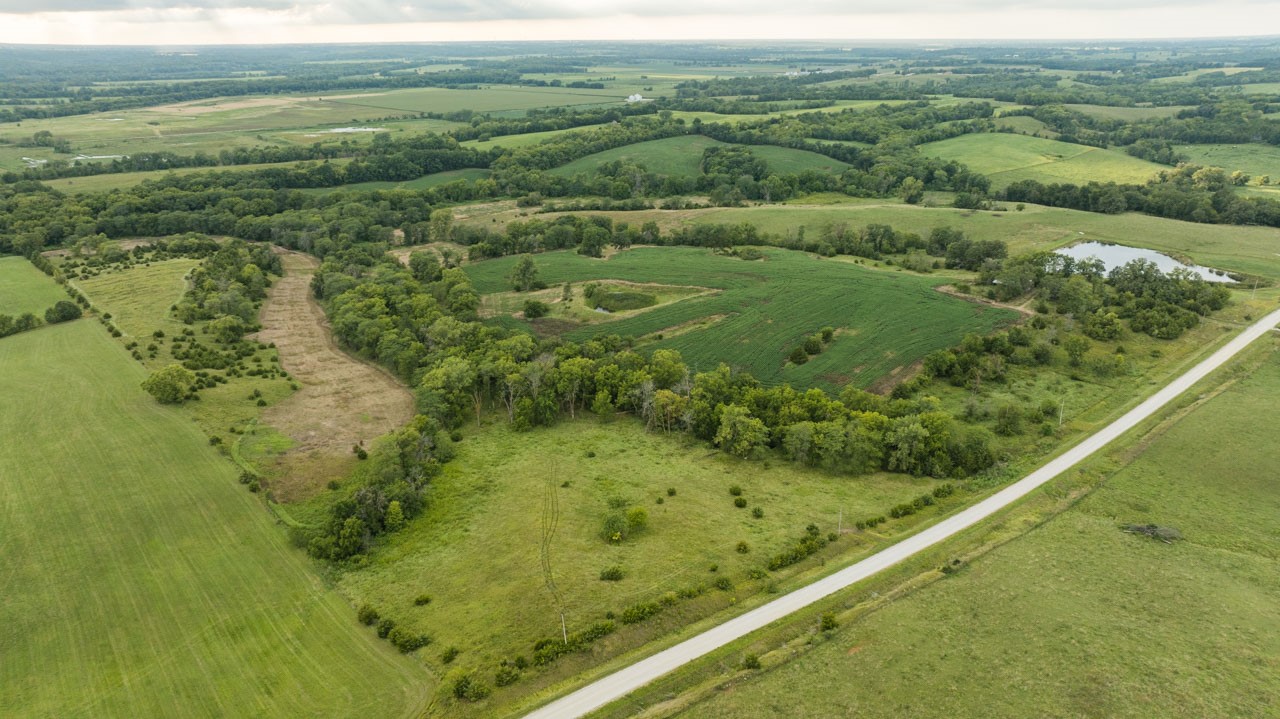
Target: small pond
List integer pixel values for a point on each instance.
(1116, 255)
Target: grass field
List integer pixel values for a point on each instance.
(1237, 248)
(683, 156)
(884, 320)
(1007, 158)
(24, 289)
(425, 182)
(139, 298)
(1079, 619)
(476, 552)
(1254, 159)
(495, 98)
(511, 142)
(140, 579)
(1128, 114)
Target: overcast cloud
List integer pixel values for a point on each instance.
(214, 21)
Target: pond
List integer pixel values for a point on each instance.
(1116, 255)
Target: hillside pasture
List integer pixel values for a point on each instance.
(1007, 158)
(1255, 159)
(24, 289)
(885, 321)
(1083, 618)
(141, 579)
(683, 156)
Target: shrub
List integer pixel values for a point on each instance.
(757, 512)
(534, 309)
(612, 574)
(756, 573)
(637, 613)
(740, 502)
(385, 625)
(448, 655)
(468, 688)
(367, 615)
(798, 356)
(812, 345)
(407, 641)
(944, 490)
(743, 548)
(421, 600)
(169, 385)
(62, 311)
(671, 491)
(828, 622)
(637, 519)
(735, 490)
(506, 675)
(751, 661)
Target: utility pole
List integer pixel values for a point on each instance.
(564, 632)
(1062, 403)
(840, 522)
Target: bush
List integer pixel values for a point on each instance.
(448, 655)
(735, 491)
(367, 615)
(798, 356)
(724, 584)
(534, 309)
(828, 622)
(506, 675)
(385, 625)
(637, 519)
(62, 311)
(468, 688)
(170, 385)
(671, 491)
(407, 641)
(751, 661)
(637, 613)
(812, 345)
(612, 574)
(743, 548)
(757, 512)
(421, 600)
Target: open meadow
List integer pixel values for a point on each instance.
(24, 289)
(140, 579)
(1255, 160)
(1007, 158)
(683, 156)
(1082, 618)
(884, 321)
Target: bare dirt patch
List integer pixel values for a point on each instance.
(343, 401)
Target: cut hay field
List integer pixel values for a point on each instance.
(491, 98)
(885, 321)
(139, 298)
(1128, 114)
(426, 182)
(478, 549)
(1253, 159)
(1076, 618)
(140, 579)
(511, 142)
(1007, 158)
(683, 156)
(122, 180)
(24, 289)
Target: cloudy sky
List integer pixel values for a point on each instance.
(270, 21)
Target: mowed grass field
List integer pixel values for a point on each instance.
(1237, 248)
(140, 579)
(426, 182)
(139, 298)
(1007, 158)
(24, 289)
(122, 180)
(683, 156)
(477, 551)
(1077, 618)
(1253, 159)
(884, 320)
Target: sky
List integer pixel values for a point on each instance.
(184, 22)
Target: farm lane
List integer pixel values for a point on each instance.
(343, 401)
(622, 682)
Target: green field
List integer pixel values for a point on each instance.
(511, 142)
(1255, 159)
(495, 98)
(1077, 618)
(140, 578)
(139, 298)
(884, 320)
(1007, 158)
(1128, 114)
(476, 551)
(683, 156)
(425, 182)
(24, 289)
(122, 180)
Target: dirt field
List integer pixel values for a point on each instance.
(343, 401)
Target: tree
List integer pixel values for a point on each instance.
(1075, 346)
(525, 275)
(394, 519)
(425, 266)
(533, 309)
(170, 385)
(911, 190)
(63, 311)
(228, 329)
(441, 227)
(740, 434)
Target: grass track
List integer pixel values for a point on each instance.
(139, 578)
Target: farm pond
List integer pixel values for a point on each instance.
(1116, 255)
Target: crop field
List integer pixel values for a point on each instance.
(1007, 158)
(24, 289)
(1080, 617)
(140, 579)
(683, 156)
(884, 321)
(493, 98)
(1254, 159)
(477, 551)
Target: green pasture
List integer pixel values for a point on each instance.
(1250, 250)
(123, 180)
(493, 98)
(682, 155)
(139, 298)
(1253, 159)
(24, 289)
(1007, 158)
(1128, 114)
(764, 309)
(477, 552)
(1077, 618)
(140, 579)
(425, 182)
(512, 142)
